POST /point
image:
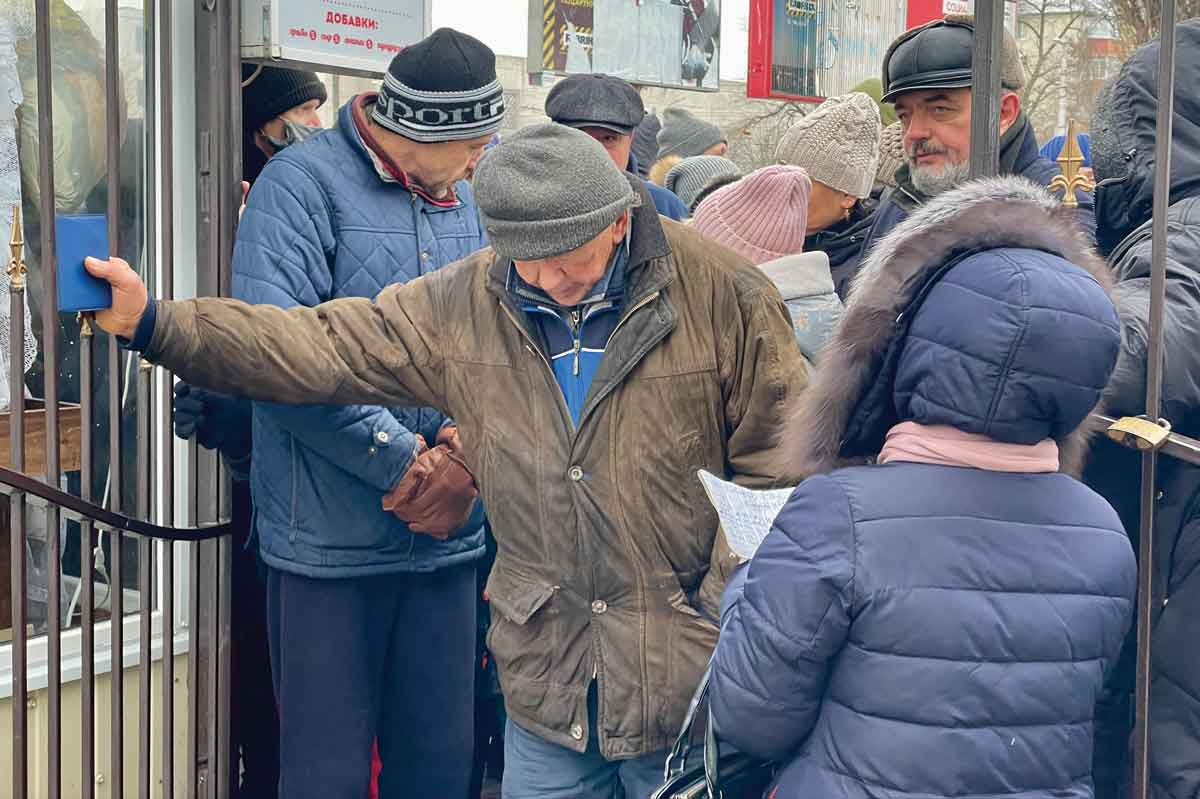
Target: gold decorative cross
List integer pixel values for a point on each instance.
(16, 264)
(1070, 161)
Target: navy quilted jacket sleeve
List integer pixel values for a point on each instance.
(791, 619)
(281, 258)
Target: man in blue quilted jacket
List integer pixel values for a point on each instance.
(367, 519)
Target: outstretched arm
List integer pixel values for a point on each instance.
(349, 351)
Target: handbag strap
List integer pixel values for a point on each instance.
(677, 758)
(712, 760)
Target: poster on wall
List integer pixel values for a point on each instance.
(333, 35)
(673, 43)
(813, 49)
(566, 36)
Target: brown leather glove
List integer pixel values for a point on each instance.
(448, 435)
(437, 493)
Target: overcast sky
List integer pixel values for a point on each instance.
(503, 25)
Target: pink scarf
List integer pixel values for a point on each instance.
(943, 445)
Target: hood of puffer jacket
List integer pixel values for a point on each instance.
(1124, 132)
(857, 377)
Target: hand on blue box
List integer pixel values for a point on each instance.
(78, 236)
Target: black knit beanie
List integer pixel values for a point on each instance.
(443, 88)
(1108, 157)
(275, 90)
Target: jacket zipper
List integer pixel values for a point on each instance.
(641, 304)
(634, 309)
(534, 350)
(576, 333)
(562, 401)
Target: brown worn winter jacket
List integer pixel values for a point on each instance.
(609, 563)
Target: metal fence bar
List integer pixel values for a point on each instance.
(216, 190)
(145, 447)
(194, 776)
(50, 391)
(230, 116)
(16, 383)
(87, 598)
(1154, 368)
(210, 636)
(223, 772)
(985, 83)
(112, 76)
(167, 291)
(145, 377)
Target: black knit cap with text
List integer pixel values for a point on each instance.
(443, 88)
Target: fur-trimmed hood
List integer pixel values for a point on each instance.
(991, 214)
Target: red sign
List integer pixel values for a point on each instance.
(922, 11)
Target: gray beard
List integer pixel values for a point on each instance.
(931, 182)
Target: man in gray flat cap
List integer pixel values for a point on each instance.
(609, 110)
(594, 357)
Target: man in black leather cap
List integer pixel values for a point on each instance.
(927, 76)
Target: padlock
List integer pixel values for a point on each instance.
(1138, 432)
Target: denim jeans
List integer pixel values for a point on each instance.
(535, 768)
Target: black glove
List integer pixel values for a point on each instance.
(218, 421)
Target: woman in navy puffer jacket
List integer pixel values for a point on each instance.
(939, 623)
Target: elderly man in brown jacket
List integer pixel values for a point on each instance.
(594, 357)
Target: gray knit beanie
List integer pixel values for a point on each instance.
(547, 190)
(691, 175)
(685, 135)
(891, 154)
(837, 144)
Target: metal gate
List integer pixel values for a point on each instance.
(1150, 434)
(135, 508)
(116, 501)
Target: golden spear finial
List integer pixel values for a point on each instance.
(1070, 161)
(16, 263)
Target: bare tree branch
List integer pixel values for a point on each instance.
(1137, 21)
(1052, 33)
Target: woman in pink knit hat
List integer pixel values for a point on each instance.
(762, 218)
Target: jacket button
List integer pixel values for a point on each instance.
(599, 606)
(575, 473)
(577, 732)
(424, 256)
(371, 450)
(382, 437)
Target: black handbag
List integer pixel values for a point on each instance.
(733, 776)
